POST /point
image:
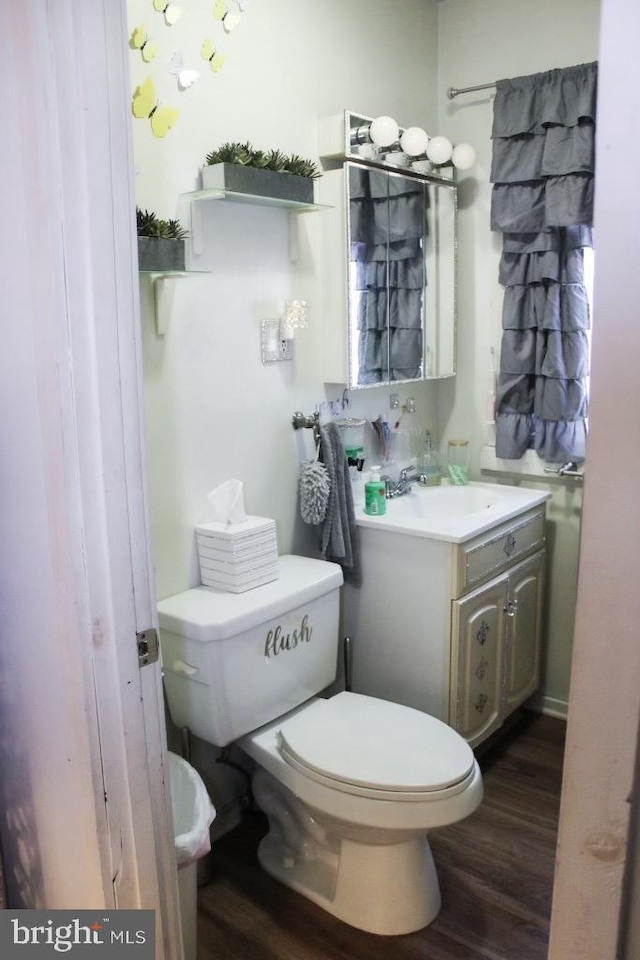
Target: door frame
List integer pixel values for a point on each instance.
(83, 754)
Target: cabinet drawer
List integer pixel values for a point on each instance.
(494, 551)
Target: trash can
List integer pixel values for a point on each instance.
(193, 814)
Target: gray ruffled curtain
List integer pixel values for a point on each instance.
(542, 203)
(388, 229)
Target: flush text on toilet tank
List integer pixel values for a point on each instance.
(279, 640)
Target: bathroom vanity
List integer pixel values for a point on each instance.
(448, 617)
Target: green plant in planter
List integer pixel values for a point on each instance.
(247, 156)
(238, 168)
(160, 243)
(302, 168)
(232, 153)
(149, 225)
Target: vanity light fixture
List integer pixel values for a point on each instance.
(277, 335)
(381, 140)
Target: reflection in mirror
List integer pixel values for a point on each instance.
(390, 262)
(401, 277)
(387, 233)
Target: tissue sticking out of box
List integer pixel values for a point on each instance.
(227, 502)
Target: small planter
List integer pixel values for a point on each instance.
(255, 181)
(159, 255)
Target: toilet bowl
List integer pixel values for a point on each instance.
(350, 784)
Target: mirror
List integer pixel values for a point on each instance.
(399, 271)
(401, 277)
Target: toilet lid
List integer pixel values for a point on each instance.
(375, 744)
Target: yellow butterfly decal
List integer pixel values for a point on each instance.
(145, 106)
(140, 41)
(221, 12)
(209, 52)
(172, 12)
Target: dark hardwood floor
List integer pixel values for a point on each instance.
(495, 870)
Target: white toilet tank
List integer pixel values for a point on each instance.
(234, 661)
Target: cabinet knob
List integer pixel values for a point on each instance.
(510, 608)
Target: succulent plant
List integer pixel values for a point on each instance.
(245, 154)
(149, 225)
(301, 167)
(276, 160)
(232, 153)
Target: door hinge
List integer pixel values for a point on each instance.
(148, 647)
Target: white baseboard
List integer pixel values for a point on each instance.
(550, 706)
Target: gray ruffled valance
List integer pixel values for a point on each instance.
(542, 202)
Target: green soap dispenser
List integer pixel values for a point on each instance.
(429, 464)
(375, 501)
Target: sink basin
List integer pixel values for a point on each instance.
(453, 513)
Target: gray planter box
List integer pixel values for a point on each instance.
(237, 178)
(159, 255)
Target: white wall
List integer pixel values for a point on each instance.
(214, 411)
(481, 41)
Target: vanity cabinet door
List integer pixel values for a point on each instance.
(477, 661)
(524, 631)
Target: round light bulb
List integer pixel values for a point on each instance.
(439, 149)
(384, 131)
(414, 141)
(463, 156)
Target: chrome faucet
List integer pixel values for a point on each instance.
(408, 476)
(569, 469)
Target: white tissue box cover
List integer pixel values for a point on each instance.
(259, 552)
(240, 532)
(228, 550)
(241, 583)
(255, 565)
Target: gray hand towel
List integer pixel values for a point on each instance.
(339, 540)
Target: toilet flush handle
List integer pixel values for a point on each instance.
(179, 666)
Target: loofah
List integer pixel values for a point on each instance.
(314, 491)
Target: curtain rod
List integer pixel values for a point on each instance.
(454, 92)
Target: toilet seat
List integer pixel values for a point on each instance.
(374, 748)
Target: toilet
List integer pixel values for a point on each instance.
(350, 784)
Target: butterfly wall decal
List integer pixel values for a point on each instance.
(221, 12)
(140, 41)
(145, 106)
(171, 11)
(186, 78)
(208, 52)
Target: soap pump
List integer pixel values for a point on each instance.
(375, 501)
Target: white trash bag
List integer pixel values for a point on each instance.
(193, 812)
